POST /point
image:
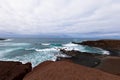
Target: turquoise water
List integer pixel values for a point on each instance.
(39, 50)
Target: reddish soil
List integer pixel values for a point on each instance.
(110, 65)
(62, 70)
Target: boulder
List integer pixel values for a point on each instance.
(10, 70)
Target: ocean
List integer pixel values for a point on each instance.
(38, 50)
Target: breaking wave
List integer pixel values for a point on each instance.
(70, 45)
(35, 54)
(45, 44)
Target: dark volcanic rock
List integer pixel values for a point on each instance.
(62, 70)
(2, 39)
(13, 70)
(86, 60)
(82, 58)
(111, 45)
(70, 53)
(75, 52)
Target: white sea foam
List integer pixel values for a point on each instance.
(105, 52)
(8, 40)
(69, 48)
(47, 49)
(36, 57)
(40, 55)
(62, 55)
(69, 45)
(45, 44)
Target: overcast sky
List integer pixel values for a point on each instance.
(32, 17)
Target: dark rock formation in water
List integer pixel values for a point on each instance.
(13, 70)
(111, 45)
(62, 70)
(75, 52)
(82, 58)
(2, 39)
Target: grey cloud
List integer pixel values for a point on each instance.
(59, 16)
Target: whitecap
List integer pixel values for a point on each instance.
(36, 57)
(70, 45)
(102, 51)
(106, 52)
(45, 44)
(46, 49)
(8, 40)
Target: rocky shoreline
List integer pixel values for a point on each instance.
(107, 63)
(113, 46)
(78, 66)
(13, 70)
(82, 58)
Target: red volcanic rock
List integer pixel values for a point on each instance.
(13, 70)
(110, 65)
(62, 70)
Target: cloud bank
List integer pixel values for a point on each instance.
(33, 17)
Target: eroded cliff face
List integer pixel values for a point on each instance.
(10, 70)
(62, 70)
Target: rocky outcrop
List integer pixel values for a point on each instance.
(62, 70)
(2, 39)
(111, 65)
(13, 70)
(111, 45)
(82, 58)
(75, 52)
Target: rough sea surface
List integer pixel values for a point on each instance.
(39, 50)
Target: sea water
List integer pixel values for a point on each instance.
(38, 50)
